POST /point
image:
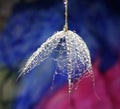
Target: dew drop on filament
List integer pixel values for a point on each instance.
(71, 56)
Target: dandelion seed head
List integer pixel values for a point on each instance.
(70, 53)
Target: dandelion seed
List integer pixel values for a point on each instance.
(72, 55)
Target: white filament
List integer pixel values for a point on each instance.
(73, 59)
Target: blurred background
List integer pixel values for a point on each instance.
(26, 24)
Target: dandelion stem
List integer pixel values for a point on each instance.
(66, 15)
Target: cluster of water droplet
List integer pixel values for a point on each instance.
(70, 53)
